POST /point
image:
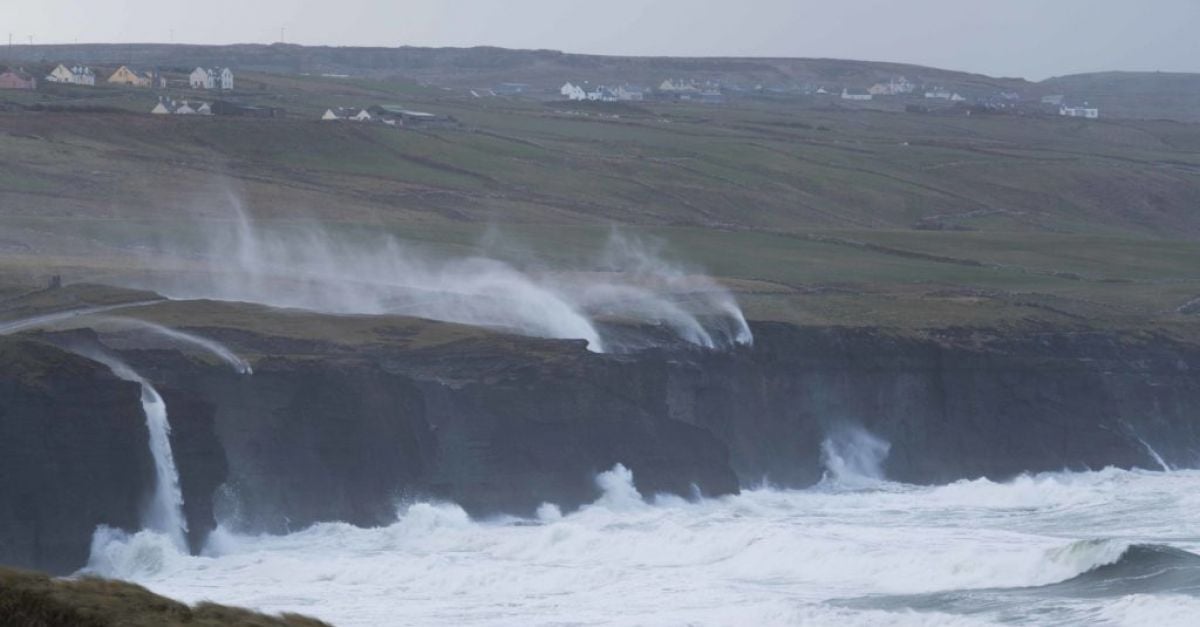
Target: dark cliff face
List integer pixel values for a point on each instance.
(956, 404)
(541, 436)
(501, 425)
(349, 439)
(73, 455)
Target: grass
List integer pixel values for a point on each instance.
(812, 215)
(35, 600)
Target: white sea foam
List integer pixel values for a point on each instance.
(763, 557)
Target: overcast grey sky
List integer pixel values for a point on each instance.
(1031, 38)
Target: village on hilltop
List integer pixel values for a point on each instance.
(178, 95)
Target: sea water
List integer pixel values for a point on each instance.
(1110, 547)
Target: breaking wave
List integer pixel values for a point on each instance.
(973, 552)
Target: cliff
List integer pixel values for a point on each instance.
(345, 418)
(73, 455)
(953, 403)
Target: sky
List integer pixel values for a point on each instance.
(1034, 39)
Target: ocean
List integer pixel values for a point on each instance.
(1110, 547)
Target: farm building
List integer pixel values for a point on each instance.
(17, 79)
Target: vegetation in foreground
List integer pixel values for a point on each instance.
(36, 600)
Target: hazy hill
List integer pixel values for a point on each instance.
(484, 66)
(1166, 95)
(1140, 95)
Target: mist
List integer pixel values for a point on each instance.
(629, 285)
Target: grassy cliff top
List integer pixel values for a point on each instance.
(811, 213)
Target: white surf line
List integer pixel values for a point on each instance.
(8, 328)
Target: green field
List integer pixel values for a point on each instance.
(822, 216)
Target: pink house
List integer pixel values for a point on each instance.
(16, 80)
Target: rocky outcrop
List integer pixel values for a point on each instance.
(73, 455)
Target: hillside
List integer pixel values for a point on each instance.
(823, 214)
(484, 66)
(1131, 95)
(1143, 95)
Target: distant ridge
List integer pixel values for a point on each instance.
(489, 63)
(1144, 95)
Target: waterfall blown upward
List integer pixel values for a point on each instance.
(241, 366)
(165, 511)
(24, 324)
(315, 269)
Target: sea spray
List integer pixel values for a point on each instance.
(313, 268)
(164, 513)
(618, 492)
(760, 557)
(852, 455)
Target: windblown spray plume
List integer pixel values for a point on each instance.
(314, 269)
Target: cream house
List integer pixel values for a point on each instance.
(126, 76)
(76, 75)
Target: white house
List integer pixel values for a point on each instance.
(856, 94)
(212, 78)
(678, 86)
(200, 79)
(75, 75)
(896, 86)
(1080, 112)
(628, 93)
(880, 89)
(573, 92)
(602, 94)
(347, 113)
